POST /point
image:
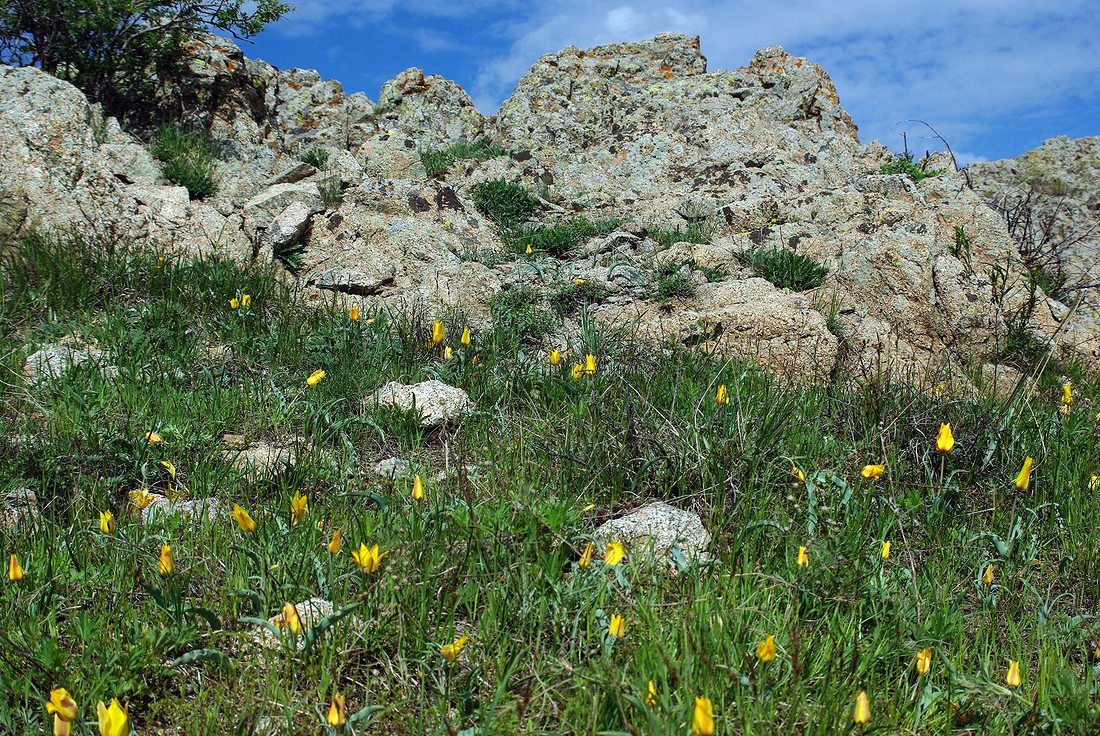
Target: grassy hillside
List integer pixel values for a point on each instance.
(491, 552)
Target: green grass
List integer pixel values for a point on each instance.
(696, 232)
(903, 163)
(506, 204)
(495, 557)
(187, 159)
(436, 161)
(673, 281)
(785, 268)
(556, 239)
(315, 157)
(571, 298)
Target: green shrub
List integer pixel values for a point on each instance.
(506, 204)
(482, 149)
(315, 157)
(290, 255)
(696, 232)
(569, 299)
(558, 238)
(785, 268)
(187, 159)
(903, 164)
(674, 282)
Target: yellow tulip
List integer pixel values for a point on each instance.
(528, 249)
(555, 358)
(1023, 479)
(15, 570)
(141, 498)
(160, 261)
(617, 626)
(1012, 677)
(62, 704)
(451, 651)
(924, 661)
(885, 549)
(723, 395)
(945, 441)
(578, 282)
(234, 303)
(169, 467)
(1067, 394)
(335, 544)
(589, 364)
(244, 521)
(61, 727)
(872, 472)
(418, 489)
(447, 353)
(803, 558)
(366, 558)
(578, 371)
(336, 716)
(113, 720)
(702, 722)
(291, 619)
(153, 438)
(862, 714)
(987, 576)
(465, 339)
(353, 314)
(765, 650)
(165, 565)
(438, 332)
(316, 377)
(651, 694)
(299, 507)
(614, 554)
(797, 473)
(1094, 483)
(586, 557)
(1096, 653)
(106, 522)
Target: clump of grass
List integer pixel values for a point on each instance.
(519, 315)
(673, 281)
(315, 157)
(332, 192)
(187, 159)
(570, 299)
(785, 268)
(558, 238)
(903, 164)
(436, 161)
(507, 204)
(694, 232)
(290, 255)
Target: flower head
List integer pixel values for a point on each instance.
(451, 651)
(578, 371)
(335, 543)
(527, 250)
(153, 438)
(862, 713)
(987, 576)
(923, 659)
(617, 627)
(1067, 394)
(15, 570)
(722, 396)
(367, 558)
(555, 358)
(244, 521)
(113, 719)
(586, 557)
(886, 549)
(945, 441)
(165, 565)
(872, 472)
(336, 715)
(1012, 677)
(803, 558)
(1023, 479)
(246, 300)
(291, 619)
(62, 704)
(299, 507)
(765, 650)
(702, 720)
(1094, 482)
(447, 353)
(141, 498)
(465, 339)
(418, 488)
(106, 522)
(614, 554)
(316, 377)
(438, 332)
(353, 314)
(234, 303)
(589, 364)
(797, 474)
(651, 694)
(169, 467)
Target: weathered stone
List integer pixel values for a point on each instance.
(53, 361)
(431, 107)
(261, 459)
(392, 467)
(18, 507)
(653, 530)
(294, 174)
(289, 225)
(278, 197)
(436, 402)
(209, 508)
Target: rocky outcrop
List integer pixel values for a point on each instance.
(655, 530)
(435, 402)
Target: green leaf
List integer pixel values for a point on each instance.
(261, 622)
(206, 614)
(316, 632)
(204, 655)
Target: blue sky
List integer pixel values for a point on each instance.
(995, 77)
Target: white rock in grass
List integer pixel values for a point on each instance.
(211, 508)
(437, 402)
(53, 361)
(18, 506)
(654, 529)
(392, 467)
(310, 612)
(260, 459)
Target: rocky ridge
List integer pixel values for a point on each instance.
(641, 134)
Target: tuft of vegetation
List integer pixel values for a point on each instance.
(674, 281)
(290, 255)
(785, 268)
(332, 192)
(815, 585)
(694, 232)
(315, 157)
(903, 163)
(556, 239)
(436, 161)
(570, 299)
(506, 204)
(187, 159)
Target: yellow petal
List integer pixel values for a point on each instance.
(702, 721)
